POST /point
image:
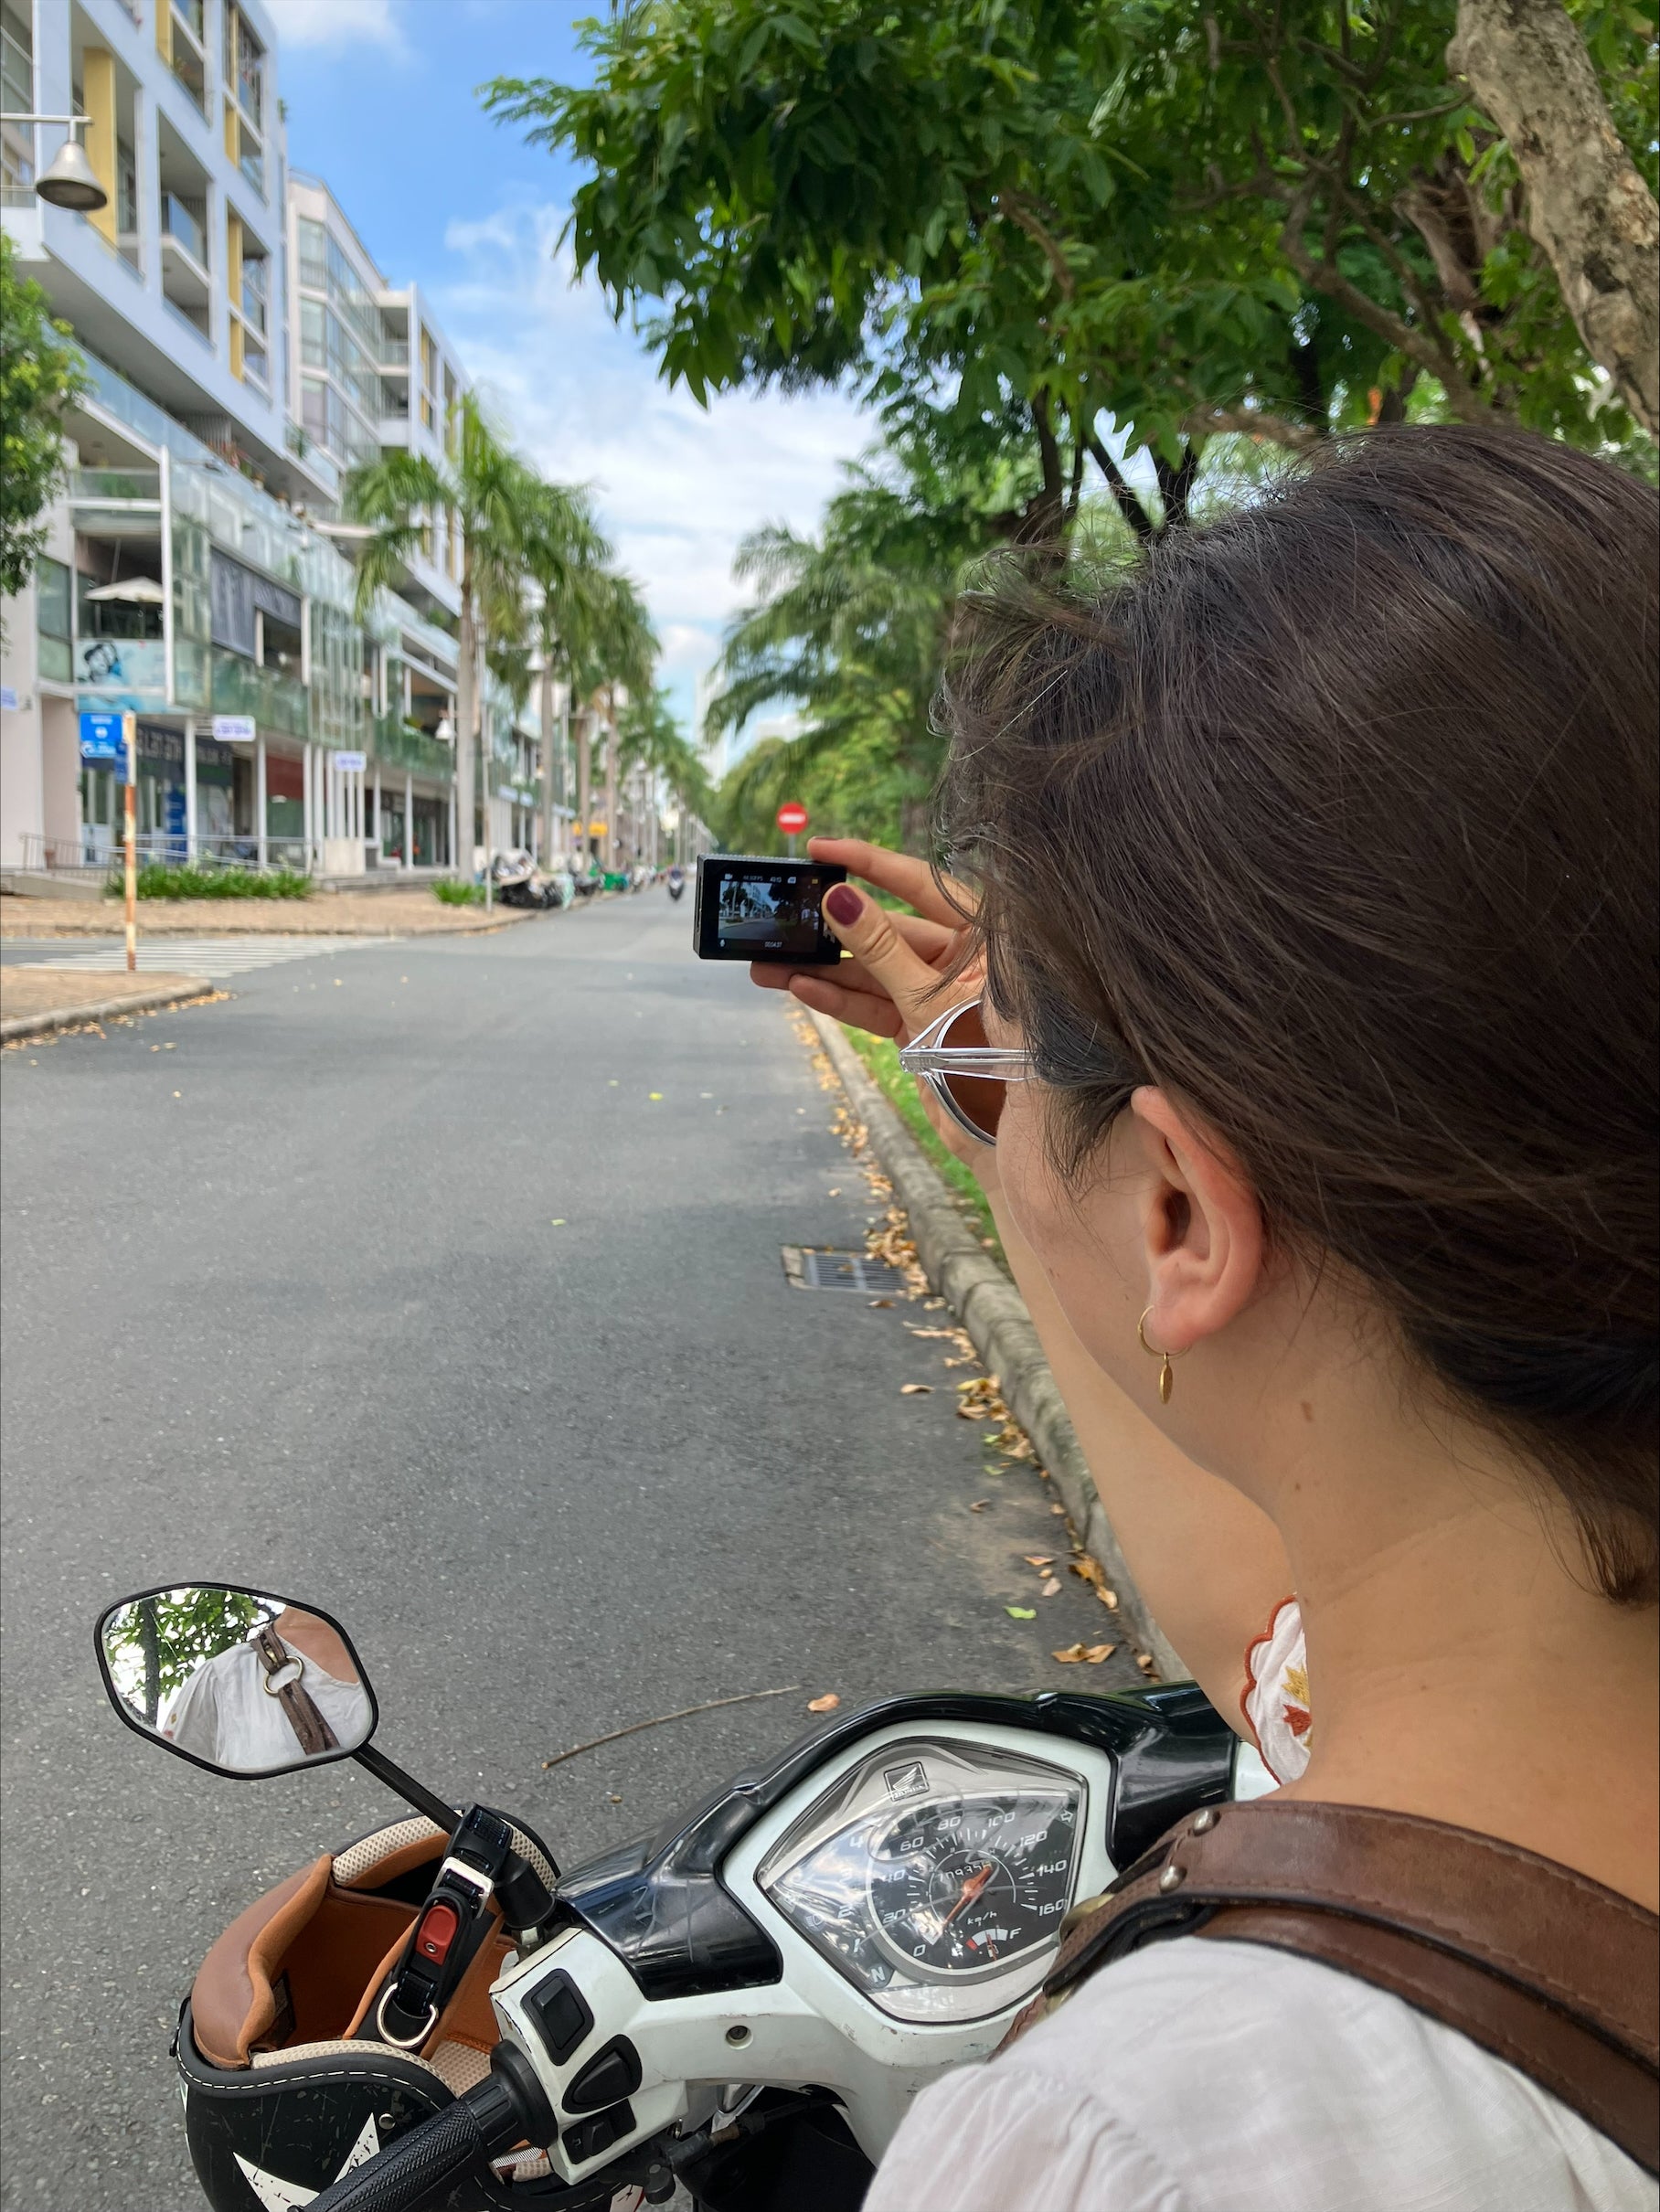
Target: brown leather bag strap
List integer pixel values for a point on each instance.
(311, 1732)
(1553, 1973)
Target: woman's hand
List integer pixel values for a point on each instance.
(891, 984)
(897, 958)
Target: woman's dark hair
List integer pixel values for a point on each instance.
(1338, 819)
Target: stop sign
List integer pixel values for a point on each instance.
(792, 817)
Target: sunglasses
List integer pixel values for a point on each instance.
(967, 1074)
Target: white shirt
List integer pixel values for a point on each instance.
(225, 1714)
(1198, 2075)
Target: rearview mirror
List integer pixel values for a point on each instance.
(234, 1680)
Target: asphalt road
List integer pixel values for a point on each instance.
(284, 1302)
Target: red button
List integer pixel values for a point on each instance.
(438, 1932)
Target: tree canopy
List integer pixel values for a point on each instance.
(40, 373)
(1184, 217)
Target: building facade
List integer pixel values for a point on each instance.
(243, 352)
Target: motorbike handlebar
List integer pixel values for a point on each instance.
(425, 2170)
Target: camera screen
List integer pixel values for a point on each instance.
(768, 914)
(764, 909)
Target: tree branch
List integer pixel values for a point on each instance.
(1129, 505)
(1587, 205)
(1025, 217)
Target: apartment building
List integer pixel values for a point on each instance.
(243, 353)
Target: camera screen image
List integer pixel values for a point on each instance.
(769, 913)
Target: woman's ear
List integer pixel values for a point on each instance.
(1201, 1226)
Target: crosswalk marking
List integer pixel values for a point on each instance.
(214, 957)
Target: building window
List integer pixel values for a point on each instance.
(181, 40)
(313, 334)
(17, 98)
(55, 620)
(314, 255)
(244, 97)
(428, 380)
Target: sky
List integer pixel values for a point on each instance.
(382, 105)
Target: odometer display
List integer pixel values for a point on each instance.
(931, 1869)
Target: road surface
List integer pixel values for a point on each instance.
(439, 1282)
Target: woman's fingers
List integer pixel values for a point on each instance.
(885, 955)
(905, 877)
(870, 1010)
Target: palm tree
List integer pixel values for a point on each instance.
(566, 562)
(488, 492)
(613, 652)
(650, 737)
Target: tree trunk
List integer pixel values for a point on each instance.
(466, 669)
(584, 726)
(611, 781)
(1587, 205)
(550, 739)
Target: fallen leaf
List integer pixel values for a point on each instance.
(178, 1094)
(1092, 1573)
(558, 1224)
(1051, 1587)
(1038, 1559)
(1090, 1654)
(1020, 1613)
(615, 1799)
(907, 1389)
(611, 1084)
(979, 1505)
(887, 1301)
(653, 1094)
(827, 1704)
(169, 1048)
(835, 1194)
(1146, 1663)
(1057, 1509)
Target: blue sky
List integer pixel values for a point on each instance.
(382, 104)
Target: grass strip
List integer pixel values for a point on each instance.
(880, 1055)
(459, 893)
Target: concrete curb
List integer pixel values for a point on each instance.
(103, 1009)
(1000, 1328)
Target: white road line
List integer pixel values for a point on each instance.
(214, 957)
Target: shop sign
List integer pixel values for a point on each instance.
(350, 763)
(235, 595)
(101, 737)
(233, 729)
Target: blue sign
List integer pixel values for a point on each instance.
(101, 741)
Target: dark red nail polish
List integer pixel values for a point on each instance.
(843, 904)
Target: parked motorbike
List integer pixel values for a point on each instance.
(518, 882)
(743, 2004)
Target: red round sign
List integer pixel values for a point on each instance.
(791, 818)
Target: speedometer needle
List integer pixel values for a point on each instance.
(970, 1890)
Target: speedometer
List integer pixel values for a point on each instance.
(935, 1875)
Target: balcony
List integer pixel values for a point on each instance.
(394, 352)
(275, 701)
(398, 745)
(184, 280)
(115, 487)
(182, 36)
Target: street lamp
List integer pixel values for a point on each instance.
(68, 180)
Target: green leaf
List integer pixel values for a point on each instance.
(1021, 1612)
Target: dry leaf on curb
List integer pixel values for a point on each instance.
(827, 1704)
(1038, 1559)
(1051, 1587)
(979, 1505)
(915, 1389)
(1090, 1654)
(1144, 1663)
(1020, 1613)
(881, 1302)
(1094, 1574)
(1061, 1509)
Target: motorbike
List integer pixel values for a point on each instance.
(676, 882)
(518, 882)
(741, 2004)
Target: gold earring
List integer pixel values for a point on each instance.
(1166, 1381)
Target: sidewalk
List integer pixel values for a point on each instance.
(34, 1000)
(327, 914)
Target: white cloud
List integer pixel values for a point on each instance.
(330, 24)
(676, 485)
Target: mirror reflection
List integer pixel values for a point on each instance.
(246, 1682)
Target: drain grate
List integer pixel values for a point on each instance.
(819, 1270)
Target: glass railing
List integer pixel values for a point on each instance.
(103, 487)
(394, 352)
(177, 222)
(275, 701)
(398, 745)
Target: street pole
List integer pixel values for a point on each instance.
(129, 731)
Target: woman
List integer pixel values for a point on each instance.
(1315, 865)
